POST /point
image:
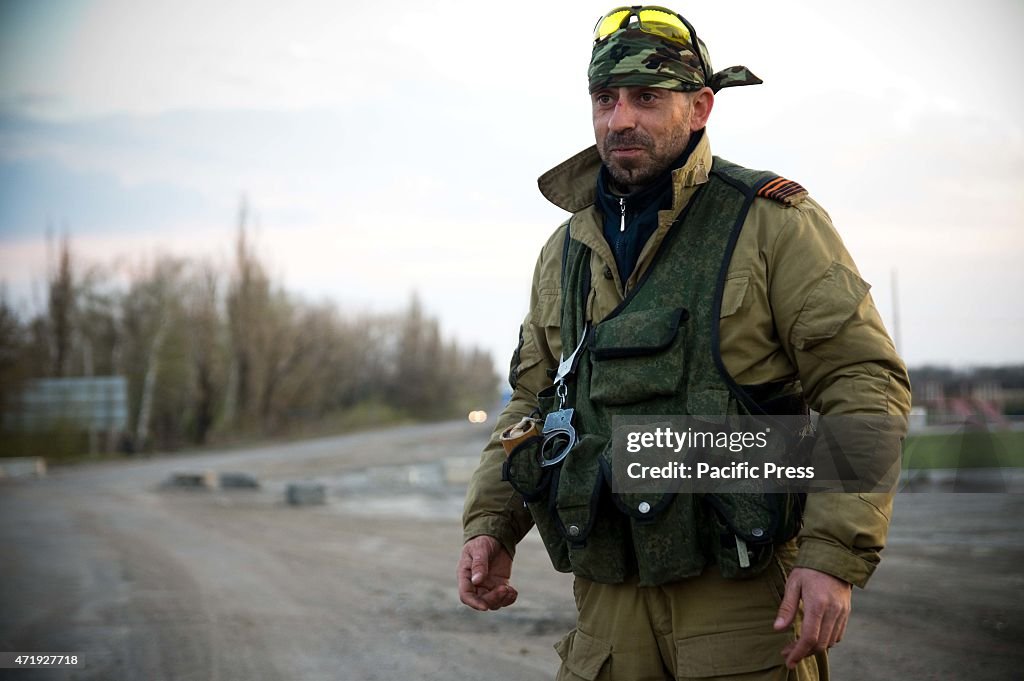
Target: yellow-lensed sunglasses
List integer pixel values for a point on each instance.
(659, 21)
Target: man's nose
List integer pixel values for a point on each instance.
(623, 116)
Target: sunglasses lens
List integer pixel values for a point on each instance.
(650, 20)
(610, 23)
(664, 24)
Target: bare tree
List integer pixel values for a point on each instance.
(206, 335)
(248, 307)
(14, 346)
(150, 310)
(61, 308)
(209, 354)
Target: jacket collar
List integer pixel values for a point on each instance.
(572, 184)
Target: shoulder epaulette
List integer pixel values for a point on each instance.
(781, 190)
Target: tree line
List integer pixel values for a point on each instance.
(212, 355)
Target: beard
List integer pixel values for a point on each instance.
(642, 170)
(632, 173)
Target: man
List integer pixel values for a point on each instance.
(685, 285)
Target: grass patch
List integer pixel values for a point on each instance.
(965, 450)
(62, 441)
(363, 416)
(66, 444)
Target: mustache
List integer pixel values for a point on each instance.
(628, 138)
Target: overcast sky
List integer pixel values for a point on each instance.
(387, 153)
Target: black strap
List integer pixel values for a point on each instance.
(565, 246)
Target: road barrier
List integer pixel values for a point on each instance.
(306, 494)
(23, 467)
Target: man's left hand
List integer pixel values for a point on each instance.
(826, 610)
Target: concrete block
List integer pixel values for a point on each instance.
(306, 493)
(238, 481)
(22, 467)
(192, 480)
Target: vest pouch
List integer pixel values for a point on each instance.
(533, 482)
(538, 485)
(547, 527)
(523, 471)
(597, 535)
(604, 556)
(740, 531)
(668, 545)
(635, 356)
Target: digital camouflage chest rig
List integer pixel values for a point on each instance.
(656, 354)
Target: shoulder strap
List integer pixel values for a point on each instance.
(761, 183)
(749, 182)
(565, 246)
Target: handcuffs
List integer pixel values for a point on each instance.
(559, 436)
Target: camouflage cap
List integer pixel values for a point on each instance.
(632, 57)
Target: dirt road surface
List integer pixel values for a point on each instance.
(147, 582)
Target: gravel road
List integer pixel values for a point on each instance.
(152, 582)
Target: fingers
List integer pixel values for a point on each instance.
(486, 597)
(826, 602)
(789, 606)
(822, 628)
(480, 566)
(481, 585)
(840, 629)
(808, 641)
(842, 616)
(468, 592)
(478, 553)
(499, 597)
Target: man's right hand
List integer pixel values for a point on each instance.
(484, 570)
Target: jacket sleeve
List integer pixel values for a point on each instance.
(847, 364)
(492, 507)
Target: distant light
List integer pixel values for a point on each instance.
(478, 416)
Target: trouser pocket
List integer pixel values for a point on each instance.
(582, 655)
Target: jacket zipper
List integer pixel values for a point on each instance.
(622, 214)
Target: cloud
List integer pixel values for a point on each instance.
(35, 194)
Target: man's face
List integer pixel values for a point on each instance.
(640, 131)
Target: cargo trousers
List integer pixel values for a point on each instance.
(706, 627)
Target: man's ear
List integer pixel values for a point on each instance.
(701, 103)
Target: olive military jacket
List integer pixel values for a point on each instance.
(794, 308)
